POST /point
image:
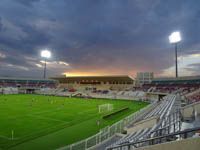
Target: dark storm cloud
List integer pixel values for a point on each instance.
(1, 25)
(193, 68)
(35, 37)
(103, 36)
(28, 3)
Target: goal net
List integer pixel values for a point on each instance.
(105, 108)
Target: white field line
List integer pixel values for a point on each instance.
(21, 103)
(10, 117)
(57, 110)
(32, 134)
(87, 111)
(5, 137)
(46, 111)
(47, 118)
(32, 115)
(36, 132)
(51, 127)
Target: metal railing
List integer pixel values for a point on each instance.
(156, 140)
(173, 120)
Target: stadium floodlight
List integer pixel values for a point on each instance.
(175, 38)
(45, 54)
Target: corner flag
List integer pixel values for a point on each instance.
(12, 132)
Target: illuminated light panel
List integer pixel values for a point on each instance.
(175, 37)
(46, 54)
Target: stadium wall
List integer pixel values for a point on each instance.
(188, 111)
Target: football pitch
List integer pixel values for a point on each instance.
(47, 122)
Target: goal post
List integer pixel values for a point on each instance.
(110, 107)
(106, 108)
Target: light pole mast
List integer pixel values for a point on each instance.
(45, 66)
(175, 38)
(176, 60)
(45, 54)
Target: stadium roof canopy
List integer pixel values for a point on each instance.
(179, 79)
(26, 79)
(94, 78)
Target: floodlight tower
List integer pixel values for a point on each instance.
(175, 38)
(45, 54)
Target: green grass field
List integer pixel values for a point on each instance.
(47, 124)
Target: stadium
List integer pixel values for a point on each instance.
(99, 75)
(99, 112)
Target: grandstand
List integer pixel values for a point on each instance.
(170, 85)
(96, 83)
(14, 86)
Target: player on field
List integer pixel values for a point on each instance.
(98, 123)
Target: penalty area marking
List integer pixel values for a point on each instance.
(42, 112)
(34, 115)
(83, 112)
(5, 137)
(64, 122)
(47, 118)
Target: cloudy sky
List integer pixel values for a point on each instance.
(98, 37)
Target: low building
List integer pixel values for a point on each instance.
(144, 77)
(96, 82)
